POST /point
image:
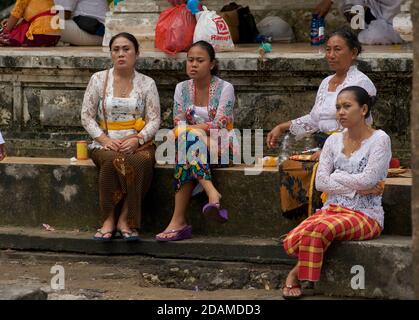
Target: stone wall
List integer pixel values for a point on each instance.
(42, 94)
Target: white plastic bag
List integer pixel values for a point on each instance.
(379, 32)
(276, 28)
(213, 29)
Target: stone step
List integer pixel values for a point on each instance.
(64, 194)
(386, 262)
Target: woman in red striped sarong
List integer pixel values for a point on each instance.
(352, 169)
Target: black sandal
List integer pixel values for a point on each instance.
(129, 235)
(102, 237)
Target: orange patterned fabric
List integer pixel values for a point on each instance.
(27, 9)
(309, 240)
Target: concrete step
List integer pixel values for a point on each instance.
(234, 261)
(64, 195)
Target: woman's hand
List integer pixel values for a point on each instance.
(315, 156)
(111, 144)
(273, 136)
(323, 7)
(377, 190)
(129, 146)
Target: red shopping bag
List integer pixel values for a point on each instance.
(175, 29)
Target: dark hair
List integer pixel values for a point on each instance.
(362, 97)
(350, 38)
(211, 52)
(127, 36)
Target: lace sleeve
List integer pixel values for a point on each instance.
(375, 170)
(178, 106)
(89, 107)
(324, 182)
(19, 8)
(152, 112)
(224, 116)
(308, 124)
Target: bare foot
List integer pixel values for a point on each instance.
(107, 230)
(172, 226)
(292, 288)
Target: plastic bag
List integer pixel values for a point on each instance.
(379, 32)
(175, 29)
(213, 29)
(276, 28)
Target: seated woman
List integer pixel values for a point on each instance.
(378, 18)
(123, 100)
(84, 21)
(342, 49)
(352, 169)
(37, 29)
(203, 103)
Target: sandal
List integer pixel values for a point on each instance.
(180, 234)
(213, 211)
(103, 234)
(129, 235)
(290, 287)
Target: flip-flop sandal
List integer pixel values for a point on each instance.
(129, 235)
(213, 211)
(290, 287)
(181, 234)
(102, 237)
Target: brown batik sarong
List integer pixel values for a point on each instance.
(297, 192)
(124, 177)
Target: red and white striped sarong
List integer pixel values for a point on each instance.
(310, 239)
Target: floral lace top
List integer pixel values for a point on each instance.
(143, 102)
(323, 115)
(27, 9)
(341, 177)
(220, 108)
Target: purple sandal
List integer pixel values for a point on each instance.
(181, 234)
(213, 211)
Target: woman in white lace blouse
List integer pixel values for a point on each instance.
(352, 169)
(123, 125)
(342, 49)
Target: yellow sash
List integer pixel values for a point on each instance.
(137, 124)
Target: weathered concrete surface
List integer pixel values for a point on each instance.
(223, 263)
(247, 249)
(27, 292)
(387, 264)
(415, 148)
(67, 197)
(44, 89)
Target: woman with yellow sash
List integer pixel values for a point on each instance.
(121, 112)
(342, 49)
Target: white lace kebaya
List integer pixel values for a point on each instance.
(323, 115)
(143, 102)
(341, 176)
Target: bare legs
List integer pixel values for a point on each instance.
(182, 198)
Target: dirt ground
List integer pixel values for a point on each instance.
(90, 280)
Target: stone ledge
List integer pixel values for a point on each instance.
(387, 261)
(293, 57)
(67, 198)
